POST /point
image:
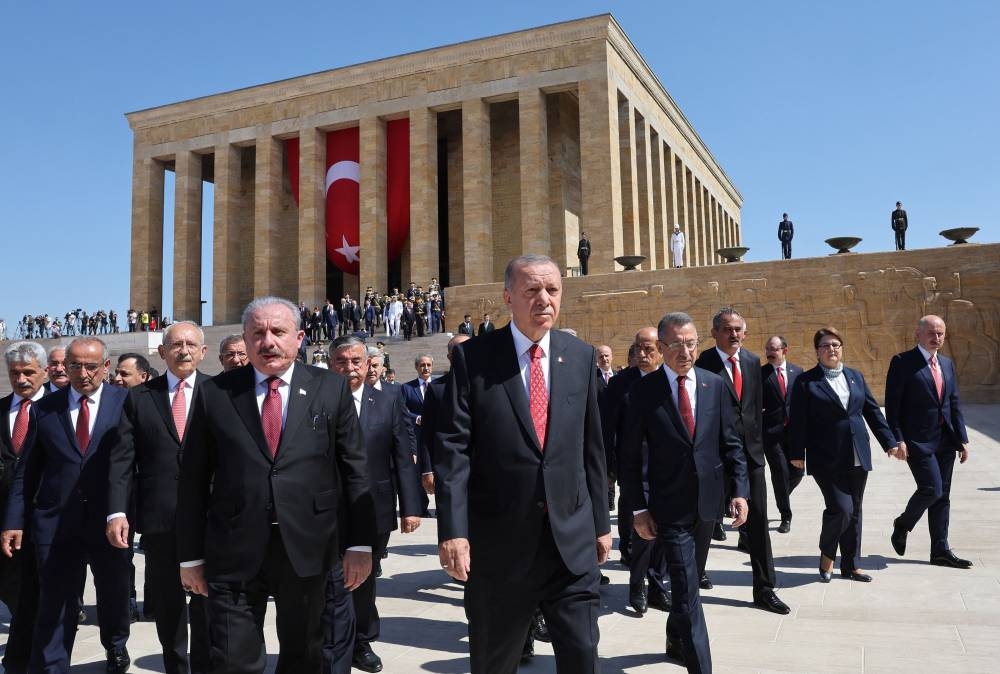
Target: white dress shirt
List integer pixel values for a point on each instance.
(172, 380)
(15, 407)
(725, 361)
(74, 406)
(521, 346)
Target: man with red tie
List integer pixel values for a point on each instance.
(520, 480)
(922, 408)
(75, 430)
(777, 377)
(18, 574)
(146, 461)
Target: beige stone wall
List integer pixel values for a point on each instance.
(873, 299)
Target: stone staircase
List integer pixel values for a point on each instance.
(401, 353)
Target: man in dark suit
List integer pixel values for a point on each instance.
(740, 372)
(435, 395)
(75, 431)
(688, 426)
(583, 253)
(486, 327)
(777, 377)
(389, 443)
(233, 350)
(18, 574)
(611, 403)
(147, 459)
(899, 225)
(56, 369)
(786, 230)
(408, 319)
(466, 327)
(521, 484)
(605, 356)
(414, 393)
(272, 456)
(923, 410)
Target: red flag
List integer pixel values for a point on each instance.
(343, 200)
(397, 180)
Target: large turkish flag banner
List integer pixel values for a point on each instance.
(343, 199)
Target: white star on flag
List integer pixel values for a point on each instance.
(348, 251)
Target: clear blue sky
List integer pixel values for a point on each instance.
(829, 111)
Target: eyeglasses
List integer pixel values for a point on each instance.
(690, 345)
(833, 346)
(89, 367)
(233, 355)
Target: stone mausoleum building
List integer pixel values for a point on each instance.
(460, 157)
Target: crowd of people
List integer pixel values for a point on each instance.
(77, 322)
(279, 479)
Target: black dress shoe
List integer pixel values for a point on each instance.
(785, 526)
(825, 576)
(856, 576)
(118, 661)
(365, 659)
(659, 598)
(705, 582)
(378, 569)
(718, 534)
(769, 601)
(898, 539)
(81, 617)
(605, 580)
(637, 597)
(674, 651)
(528, 652)
(538, 627)
(948, 558)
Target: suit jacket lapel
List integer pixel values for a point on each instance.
(701, 414)
(924, 372)
(723, 372)
(856, 395)
(824, 386)
(510, 372)
(669, 405)
(244, 397)
(299, 394)
(160, 395)
(104, 416)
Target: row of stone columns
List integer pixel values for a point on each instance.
(633, 188)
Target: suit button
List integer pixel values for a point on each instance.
(540, 504)
(177, 476)
(274, 473)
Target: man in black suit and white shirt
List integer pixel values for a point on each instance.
(740, 371)
(147, 459)
(682, 417)
(390, 445)
(486, 326)
(522, 514)
(777, 377)
(272, 457)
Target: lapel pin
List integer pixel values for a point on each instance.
(302, 392)
(371, 400)
(559, 359)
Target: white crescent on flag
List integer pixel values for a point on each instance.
(343, 170)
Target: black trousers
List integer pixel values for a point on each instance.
(843, 494)
(758, 535)
(932, 473)
(365, 611)
(784, 476)
(900, 239)
(786, 249)
(338, 623)
(686, 622)
(624, 525)
(499, 611)
(19, 591)
(584, 264)
(163, 587)
(647, 561)
(60, 567)
(236, 617)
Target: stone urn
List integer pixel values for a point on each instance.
(630, 262)
(732, 253)
(843, 244)
(959, 235)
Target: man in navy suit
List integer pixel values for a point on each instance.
(777, 377)
(435, 394)
(147, 460)
(389, 445)
(75, 431)
(521, 485)
(922, 408)
(18, 574)
(682, 415)
(740, 372)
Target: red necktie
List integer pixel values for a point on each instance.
(179, 410)
(781, 383)
(539, 395)
(20, 427)
(270, 415)
(83, 426)
(684, 406)
(737, 377)
(936, 373)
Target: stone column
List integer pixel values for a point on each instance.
(228, 274)
(630, 179)
(660, 226)
(534, 151)
(267, 195)
(644, 182)
(691, 219)
(477, 191)
(187, 237)
(312, 217)
(423, 240)
(706, 219)
(146, 291)
(374, 227)
(600, 172)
